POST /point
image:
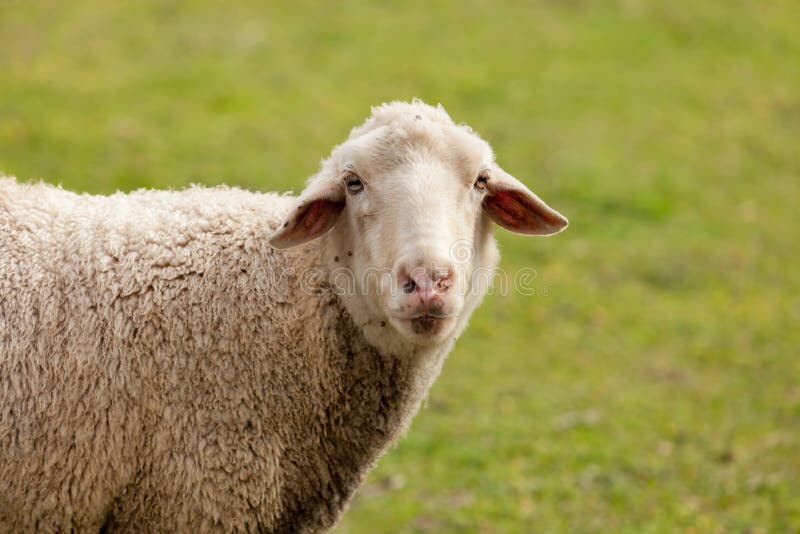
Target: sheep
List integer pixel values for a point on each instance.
(214, 359)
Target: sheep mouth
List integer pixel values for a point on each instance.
(424, 327)
(429, 313)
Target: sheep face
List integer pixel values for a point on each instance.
(410, 198)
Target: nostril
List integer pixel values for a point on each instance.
(442, 281)
(443, 284)
(409, 287)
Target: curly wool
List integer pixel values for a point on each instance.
(162, 368)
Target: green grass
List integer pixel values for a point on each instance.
(653, 382)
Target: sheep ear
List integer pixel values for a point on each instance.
(316, 212)
(514, 207)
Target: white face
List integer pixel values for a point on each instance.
(414, 219)
(410, 198)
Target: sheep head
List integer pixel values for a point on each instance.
(409, 200)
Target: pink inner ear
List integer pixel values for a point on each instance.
(318, 218)
(313, 220)
(518, 212)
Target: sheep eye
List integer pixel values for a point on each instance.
(480, 183)
(354, 184)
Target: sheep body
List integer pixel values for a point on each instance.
(162, 368)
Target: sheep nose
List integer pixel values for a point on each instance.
(426, 282)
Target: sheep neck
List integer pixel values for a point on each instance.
(379, 358)
(378, 397)
(379, 391)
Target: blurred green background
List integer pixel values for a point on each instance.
(652, 384)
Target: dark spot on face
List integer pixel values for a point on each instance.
(243, 271)
(336, 258)
(286, 224)
(418, 117)
(349, 252)
(383, 323)
(249, 425)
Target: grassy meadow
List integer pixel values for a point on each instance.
(652, 382)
